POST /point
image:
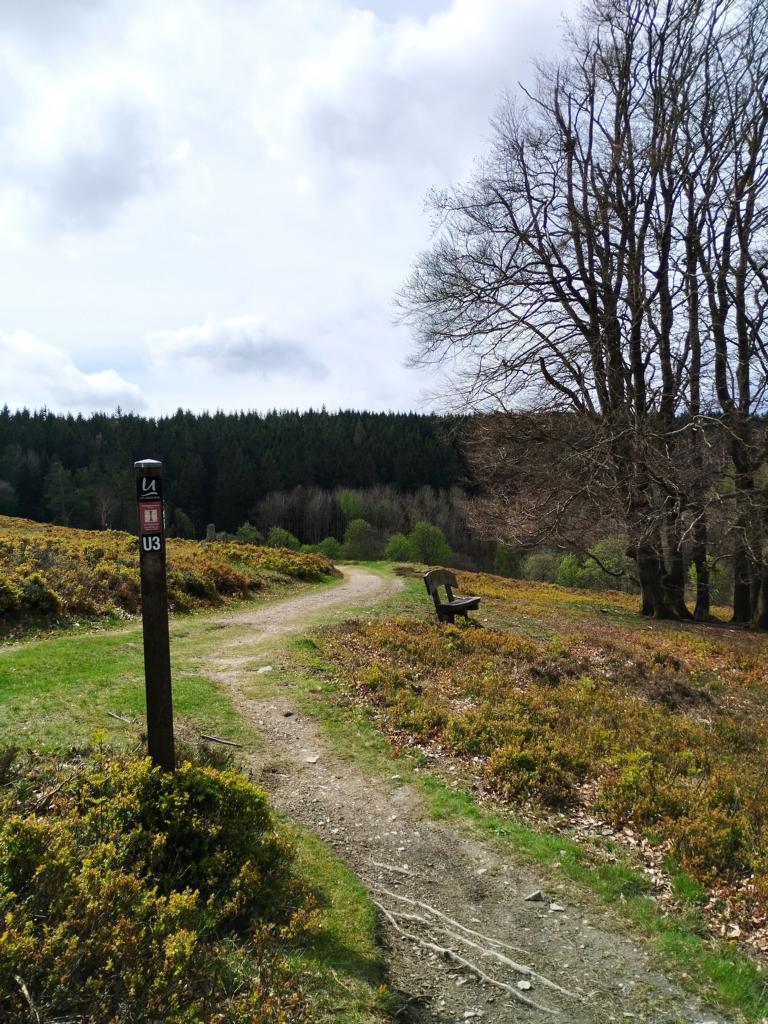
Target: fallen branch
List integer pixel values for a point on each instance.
(457, 958)
(34, 1015)
(449, 920)
(340, 981)
(52, 792)
(418, 919)
(120, 718)
(218, 739)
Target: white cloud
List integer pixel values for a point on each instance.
(37, 374)
(80, 140)
(400, 92)
(237, 345)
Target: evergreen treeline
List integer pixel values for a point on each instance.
(77, 471)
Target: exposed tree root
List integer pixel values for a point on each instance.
(486, 948)
(451, 954)
(391, 867)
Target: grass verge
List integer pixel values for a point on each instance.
(57, 692)
(342, 969)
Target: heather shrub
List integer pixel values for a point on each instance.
(710, 843)
(424, 718)
(624, 723)
(10, 596)
(212, 826)
(133, 895)
(535, 769)
(47, 571)
(37, 596)
(636, 787)
(476, 732)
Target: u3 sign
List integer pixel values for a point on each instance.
(149, 497)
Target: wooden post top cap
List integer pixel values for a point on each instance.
(148, 467)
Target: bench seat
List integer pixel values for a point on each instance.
(448, 609)
(468, 603)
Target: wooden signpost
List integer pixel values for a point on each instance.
(154, 612)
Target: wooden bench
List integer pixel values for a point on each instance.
(448, 610)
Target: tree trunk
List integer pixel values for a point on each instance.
(744, 590)
(650, 572)
(760, 617)
(702, 611)
(742, 585)
(673, 580)
(673, 584)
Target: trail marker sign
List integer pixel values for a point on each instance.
(154, 612)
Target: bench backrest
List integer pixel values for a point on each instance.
(437, 578)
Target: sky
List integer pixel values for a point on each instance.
(209, 204)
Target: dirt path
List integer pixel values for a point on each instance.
(437, 887)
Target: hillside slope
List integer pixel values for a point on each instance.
(53, 572)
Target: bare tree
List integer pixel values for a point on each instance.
(572, 275)
(728, 126)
